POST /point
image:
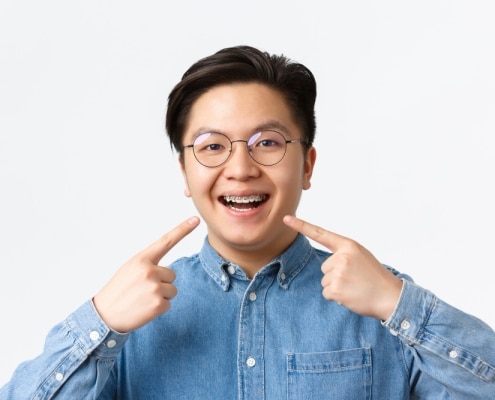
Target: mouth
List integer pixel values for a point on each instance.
(244, 203)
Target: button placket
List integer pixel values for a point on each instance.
(251, 335)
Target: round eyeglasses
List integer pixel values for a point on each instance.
(267, 148)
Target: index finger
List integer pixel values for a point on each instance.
(155, 251)
(330, 240)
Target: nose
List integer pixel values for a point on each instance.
(240, 165)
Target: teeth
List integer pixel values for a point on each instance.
(245, 199)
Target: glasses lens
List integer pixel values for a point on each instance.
(267, 147)
(211, 149)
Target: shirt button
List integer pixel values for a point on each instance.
(405, 324)
(231, 270)
(453, 354)
(282, 276)
(251, 362)
(111, 343)
(59, 376)
(252, 296)
(94, 335)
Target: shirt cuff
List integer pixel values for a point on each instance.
(91, 332)
(412, 312)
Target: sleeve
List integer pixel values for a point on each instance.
(453, 352)
(76, 361)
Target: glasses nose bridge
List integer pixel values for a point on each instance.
(249, 150)
(239, 140)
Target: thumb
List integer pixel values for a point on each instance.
(155, 251)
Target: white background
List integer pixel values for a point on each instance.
(406, 139)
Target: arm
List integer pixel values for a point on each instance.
(451, 350)
(80, 352)
(449, 346)
(75, 363)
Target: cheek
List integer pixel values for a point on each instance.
(289, 183)
(197, 180)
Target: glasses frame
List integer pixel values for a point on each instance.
(247, 147)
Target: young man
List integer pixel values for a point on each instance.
(249, 319)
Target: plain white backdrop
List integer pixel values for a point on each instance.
(406, 139)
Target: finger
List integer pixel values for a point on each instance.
(166, 275)
(169, 291)
(328, 239)
(326, 280)
(327, 293)
(155, 252)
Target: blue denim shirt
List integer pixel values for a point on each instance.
(272, 337)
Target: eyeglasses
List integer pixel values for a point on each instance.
(267, 148)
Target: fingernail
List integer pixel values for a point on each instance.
(288, 218)
(192, 221)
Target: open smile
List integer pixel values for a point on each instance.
(244, 203)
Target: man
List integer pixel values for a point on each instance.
(249, 319)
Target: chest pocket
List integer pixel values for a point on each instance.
(343, 375)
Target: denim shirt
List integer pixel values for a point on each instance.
(272, 337)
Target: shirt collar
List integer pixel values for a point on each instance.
(287, 265)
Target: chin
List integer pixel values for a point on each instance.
(249, 239)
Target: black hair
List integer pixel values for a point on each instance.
(243, 64)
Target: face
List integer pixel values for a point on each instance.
(239, 231)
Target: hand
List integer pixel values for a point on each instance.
(141, 290)
(352, 276)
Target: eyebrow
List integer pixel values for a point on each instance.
(201, 131)
(271, 124)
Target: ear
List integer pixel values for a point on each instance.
(187, 192)
(309, 164)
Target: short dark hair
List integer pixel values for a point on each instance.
(243, 64)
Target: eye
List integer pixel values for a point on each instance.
(267, 143)
(213, 147)
(211, 143)
(268, 140)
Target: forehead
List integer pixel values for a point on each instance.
(239, 109)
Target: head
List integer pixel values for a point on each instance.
(241, 93)
(243, 64)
